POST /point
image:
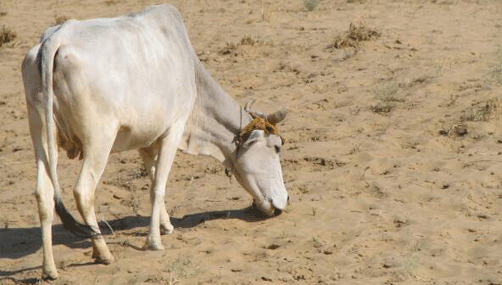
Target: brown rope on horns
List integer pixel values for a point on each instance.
(258, 123)
(261, 122)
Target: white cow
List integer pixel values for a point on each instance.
(134, 82)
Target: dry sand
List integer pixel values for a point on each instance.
(392, 159)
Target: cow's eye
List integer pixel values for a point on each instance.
(251, 143)
(277, 149)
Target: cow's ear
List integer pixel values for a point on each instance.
(277, 117)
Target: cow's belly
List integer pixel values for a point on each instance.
(128, 139)
(142, 131)
(141, 128)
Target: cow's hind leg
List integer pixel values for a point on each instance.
(167, 151)
(44, 191)
(149, 158)
(96, 151)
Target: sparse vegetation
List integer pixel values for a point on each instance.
(354, 36)
(458, 130)
(229, 47)
(110, 2)
(483, 111)
(245, 40)
(248, 40)
(496, 74)
(388, 96)
(310, 5)
(314, 211)
(496, 71)
(135, 202)
(6, 35)
(264, 15)
(410, 265)
(182, 268)
(387, 92)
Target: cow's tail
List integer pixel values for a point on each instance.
(49, 49)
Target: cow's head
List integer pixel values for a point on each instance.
(256, 163)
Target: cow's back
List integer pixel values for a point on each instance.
(137, 70)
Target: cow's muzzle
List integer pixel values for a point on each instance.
(267, 207)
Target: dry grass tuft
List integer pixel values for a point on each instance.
(354, 36)
(60, 19)
(6, 35)
(248, 40)
(245, 40)
(229, 47)
(388, 95)
(183, 267)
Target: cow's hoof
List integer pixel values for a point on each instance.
(153, 245)
(166, 229)
(50, 275)
(103, 259)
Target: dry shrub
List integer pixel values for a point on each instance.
(6, 35)
(248, 40)
(245, 40)
(381, 108)
(285, 67)
(60, 19)
(458, 130)
(388, 95)
(229, 47)
(483, 111)
(354, 36)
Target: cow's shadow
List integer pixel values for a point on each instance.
(20, 242)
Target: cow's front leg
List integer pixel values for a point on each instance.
(149, 156)
(167, 151)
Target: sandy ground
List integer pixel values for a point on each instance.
(392, 159)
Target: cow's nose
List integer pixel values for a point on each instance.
(277, 212)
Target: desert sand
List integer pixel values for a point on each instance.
(392, 155)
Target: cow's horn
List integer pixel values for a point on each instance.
(249, 103)
(277, 116)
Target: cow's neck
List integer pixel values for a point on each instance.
(215, 120)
